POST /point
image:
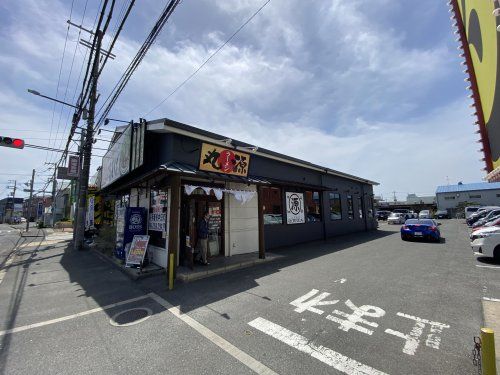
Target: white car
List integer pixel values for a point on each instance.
(396, 218)
(488, 244)
(479, 232)
(424, 214)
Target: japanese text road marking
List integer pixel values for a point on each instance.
(328, 356)
(68, 317)
(225, 345)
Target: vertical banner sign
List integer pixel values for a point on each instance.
(39, 211)
(295, 208)
(73, 166)
(89, 219)
(137, 250)
(222, 160)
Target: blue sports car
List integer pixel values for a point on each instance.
(423, 228)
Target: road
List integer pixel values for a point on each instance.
(363, 303)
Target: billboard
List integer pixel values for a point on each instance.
(223, 160)
(477, 28)
(116, 162)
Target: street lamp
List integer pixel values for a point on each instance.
(34, 92)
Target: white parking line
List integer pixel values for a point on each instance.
(9, 261)
(68, 317)
(480, 266)
(332, 358)
(225, 345)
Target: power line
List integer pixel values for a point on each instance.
(69, 78)
(122, 82)
(208, 59)
(60, 72)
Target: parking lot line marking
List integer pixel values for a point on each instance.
(481, 266)
(491, 299)
(225, 345)
(69, 317)
(328, 356)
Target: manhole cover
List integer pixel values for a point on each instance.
(130, 317)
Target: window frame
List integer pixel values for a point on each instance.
(282, 205)
(350, 207)
(339, 198)
(306, 206)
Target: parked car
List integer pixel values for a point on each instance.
(481, 213)
(495, 222)
(424, 214)
(407, 213)
(487, 244)
(442, 214)
(421, 228)
(396, 218)
(23, 220)
(471, 210)
(484, 230)
(490, 216)
(383, 215)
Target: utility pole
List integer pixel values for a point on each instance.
(13, 197)
(77, 188)
(54, 187)
(29, 202)
(87, 151)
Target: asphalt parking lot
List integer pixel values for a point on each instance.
(363, 303)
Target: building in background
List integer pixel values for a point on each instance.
(476, 27)
(454, 198)
(10, 208)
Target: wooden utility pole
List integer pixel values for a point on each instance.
(87, 151)
(260, 210)
(29, 202)
(175, 206)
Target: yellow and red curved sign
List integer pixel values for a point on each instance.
(482, 46)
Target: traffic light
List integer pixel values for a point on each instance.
(11, 142)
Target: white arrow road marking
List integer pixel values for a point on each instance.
(332, 358)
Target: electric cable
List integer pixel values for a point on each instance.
(208, 59)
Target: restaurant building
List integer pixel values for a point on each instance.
(257, 199)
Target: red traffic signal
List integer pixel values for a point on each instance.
(11, 142)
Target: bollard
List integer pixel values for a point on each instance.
(488, 358)
(171, 272)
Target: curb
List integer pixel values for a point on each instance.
(130, 272)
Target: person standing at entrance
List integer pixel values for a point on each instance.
(203, 237)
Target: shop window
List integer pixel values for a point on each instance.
(360, 207)
(371, 210)
(449, 198)
(335, 206)
(158, 211)
(350, 207)
(478, 196)
(272, 205)
(313, 206)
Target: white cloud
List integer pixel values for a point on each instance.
(327, 83)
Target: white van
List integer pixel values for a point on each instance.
(470, 210)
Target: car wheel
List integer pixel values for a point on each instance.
(496, 253)
(403, 237)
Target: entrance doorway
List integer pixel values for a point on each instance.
(193, 208)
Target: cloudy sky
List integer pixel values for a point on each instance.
(369, 87)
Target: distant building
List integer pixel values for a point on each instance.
(10, 207)
(414, 199)
(452, 197)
